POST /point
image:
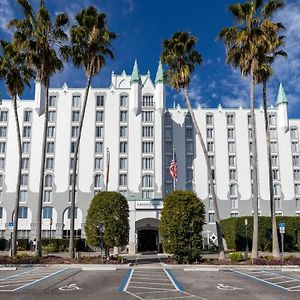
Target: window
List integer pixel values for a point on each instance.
(147, 147)
(123, 147)
(211, 217)
(189, 174)
(51, 116)
(147, 163)
(209, 133)
(272, 119)
(209, 119)
(232, 161)
(231, 134)
(123, 179)
(297, 174)
(273, 133)
(296, 161)
(100, 101)
(147, 116)
(73, 145)
(47, 196)
(71, 179)
(189, 133)
(233, 203)
(275, 174)
(295, 147)
(22, 212)
(274, 147)
(27, 116)
(210, 146)
(294, 133)
(75, 131)
(98, 147)
(123, 116)
(297, 189)
(25, 164)
(76, 101)
(50, 147)
(3, 115)
(232, 174)
(48, 181)
(23, 196)
(47, 212)
(231, 147)
(274, 159)
(124, 100)
(24, 179)
(99, 116)
(2, 147)
(69, 212)
(2, 131)
(75, 116)
(51, 132)
(234, 214)
(98, 181)
(147, 194)
(148, 101)
(99, 132)
(147, 131)
(251, 147)
(278, 203)
(52, 101)
(2, 163)
(168, 133)
(168, 147)
(123, 132)
(1, 212)
(250, 133)
(49, 163)
(98, 163)
(298, 204)
(25, 147)
(190, 160)
(277, 190)
(147, 181)
(123, 163)
(26, 131)
(233, 190)
(188, 120)
(230, 119)
(249, 120)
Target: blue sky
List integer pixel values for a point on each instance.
(142, 25)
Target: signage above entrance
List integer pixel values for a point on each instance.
(151, 204)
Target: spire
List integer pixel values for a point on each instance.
(281, 97)
(135, 77)
(159, 74)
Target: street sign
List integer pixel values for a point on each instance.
(10, 225)
(282, 227)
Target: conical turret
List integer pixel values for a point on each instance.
(159, 74)
(136, 89)
(282, 107)
(135, 76)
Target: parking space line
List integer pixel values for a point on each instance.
(4, 278)
(175, 282)
(151, 288)
(39, 280)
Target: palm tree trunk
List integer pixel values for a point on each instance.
(254, 172)
(73, 192)
(275, 245)
(17, 201)
(210, 177)
(38, 249)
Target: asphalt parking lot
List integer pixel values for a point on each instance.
(146, 283)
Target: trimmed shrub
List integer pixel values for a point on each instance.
(3, 244)
(23, 245)
(181, 224)
(234, 231)
(236, 256)
(62, 245)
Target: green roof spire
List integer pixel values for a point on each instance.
(135, 77)
(159, 74)
(281, 97)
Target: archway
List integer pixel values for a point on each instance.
(147, 231)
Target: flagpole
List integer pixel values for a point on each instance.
(107, 167)
(174, 179)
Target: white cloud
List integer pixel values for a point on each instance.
(6, 14)
(129, 8)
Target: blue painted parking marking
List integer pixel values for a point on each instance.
(125, 281)
(176, 283)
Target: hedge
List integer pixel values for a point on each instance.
(61, 245)
(234, 231)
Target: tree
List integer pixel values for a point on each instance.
(182, 219)
(90, 47)
(268, 53)
(181, 57)
(16, 74)
(242, 43)
(109, 210)
(43, 43)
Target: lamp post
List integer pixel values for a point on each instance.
(51, 221)
(101, 228)
(247, 246)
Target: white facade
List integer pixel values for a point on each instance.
(130, 119)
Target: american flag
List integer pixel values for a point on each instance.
(173, 169)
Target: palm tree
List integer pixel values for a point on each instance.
(91, 45)
(268, 53)
(43, 43)
(16, 74)
(242, 43)
(181, 57)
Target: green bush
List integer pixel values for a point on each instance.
(234, 231)
(62, 245)
(236, 256)
(181, 224)
(110, 209)
(23, 245)
(3, 244)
